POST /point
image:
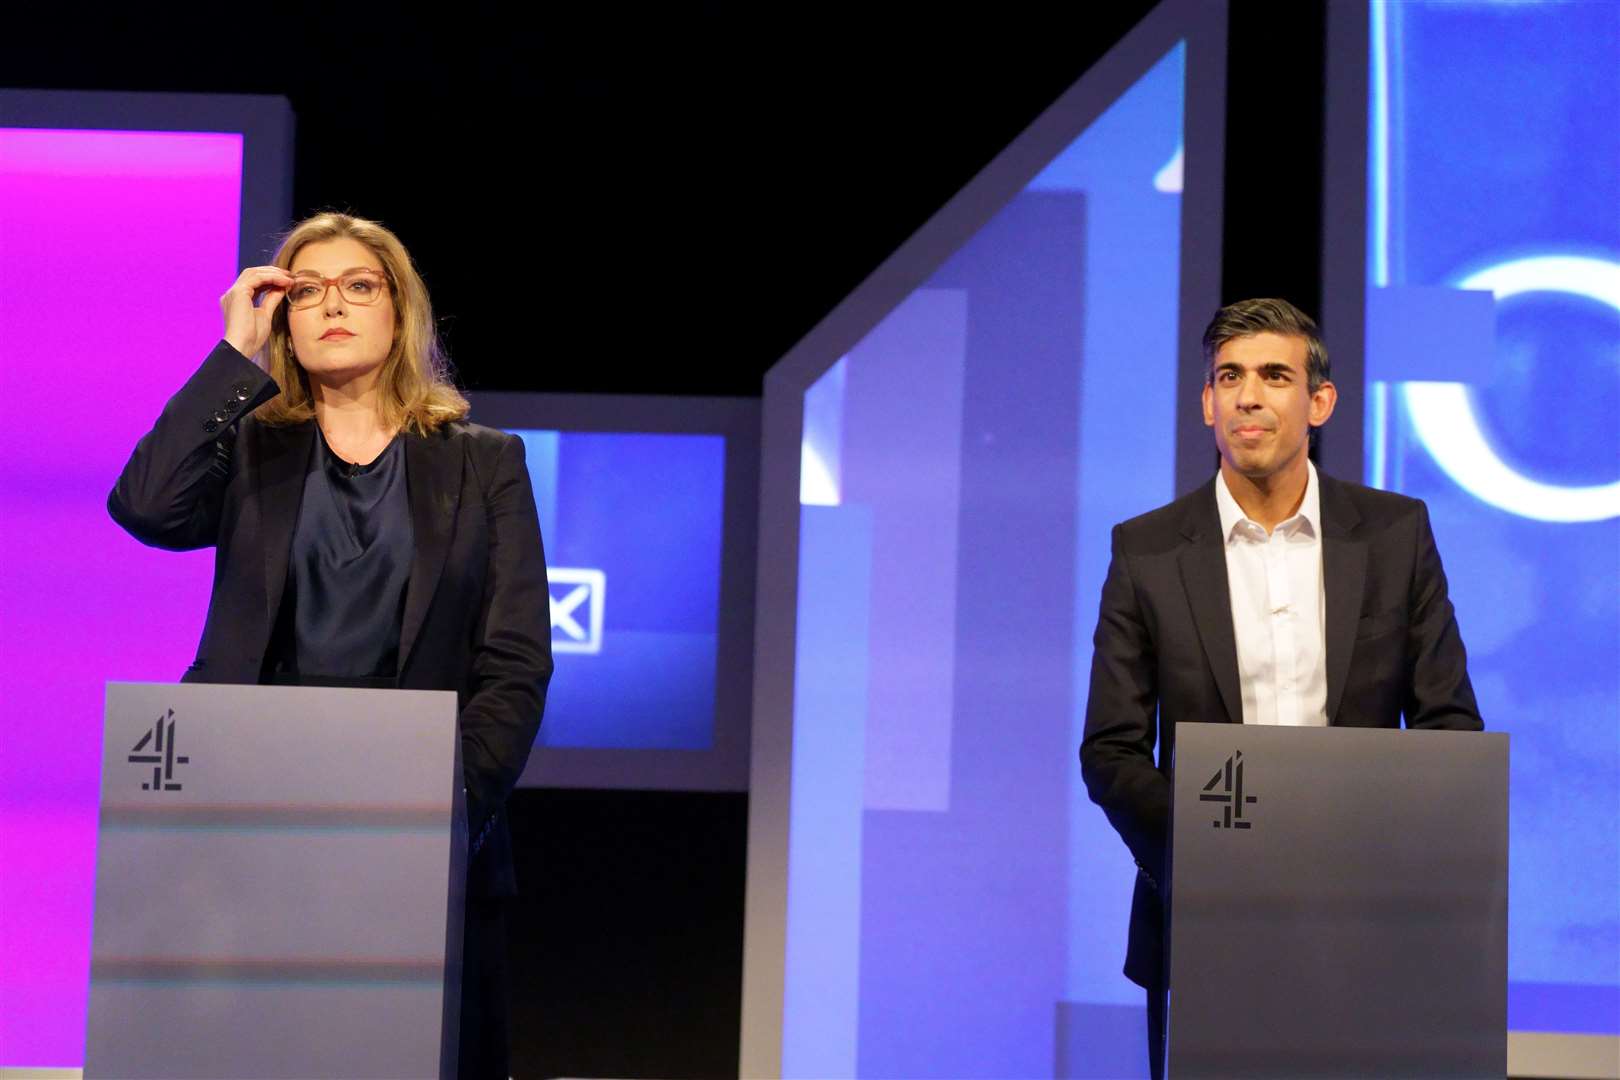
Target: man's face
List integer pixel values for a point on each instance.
(1260, 407)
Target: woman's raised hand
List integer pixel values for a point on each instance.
(248, 326)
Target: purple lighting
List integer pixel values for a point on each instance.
(116, 246)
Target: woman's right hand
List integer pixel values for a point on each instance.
(247, 326)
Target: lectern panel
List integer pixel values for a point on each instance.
(1339, 903)
(279, 883)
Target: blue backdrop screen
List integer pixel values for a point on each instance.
(956, 907)
(632, 526)
(1493, 365)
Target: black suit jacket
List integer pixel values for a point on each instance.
(477, 610)
(1165, 652)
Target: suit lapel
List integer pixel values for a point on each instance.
(282, 468)
(433, 466)
(1344, 574)
(1203, 574)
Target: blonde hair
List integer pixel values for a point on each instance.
(418, 392)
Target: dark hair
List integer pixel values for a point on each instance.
(1267, 316)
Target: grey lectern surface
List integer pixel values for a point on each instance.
(1338, 903)
(279, 880)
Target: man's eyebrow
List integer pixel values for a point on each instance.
(1267, 368)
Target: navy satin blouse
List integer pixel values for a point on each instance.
(349, 566)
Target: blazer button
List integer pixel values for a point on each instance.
(239, 392)
(221, 416)
(210, 425)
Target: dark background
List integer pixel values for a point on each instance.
(662, 201)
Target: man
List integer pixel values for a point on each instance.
(1271, 595)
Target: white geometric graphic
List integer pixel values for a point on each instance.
(573, 588)
(1444, 420)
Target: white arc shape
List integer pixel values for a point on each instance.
(1444, 420)
(816, 484)
(1170, 179)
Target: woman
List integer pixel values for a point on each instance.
(366, 534)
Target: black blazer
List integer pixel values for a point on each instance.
(477, 610)
(1165, 652)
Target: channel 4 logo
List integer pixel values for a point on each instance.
(577, 597)
(157, 749)
(1229, 779)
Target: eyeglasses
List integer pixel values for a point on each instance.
(360, 286)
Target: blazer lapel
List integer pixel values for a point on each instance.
(433, 469)
(1203, 574)
(1344, 575)
(282, 468)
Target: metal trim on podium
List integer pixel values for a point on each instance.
(280, 875)
(1338, 903)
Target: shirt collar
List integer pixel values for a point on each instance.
(1308, 517)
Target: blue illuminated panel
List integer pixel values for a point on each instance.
(1493, 366)
(956, 906)
(632, 527)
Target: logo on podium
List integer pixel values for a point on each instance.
(576, 609)
(157, 749)
(1229, 779)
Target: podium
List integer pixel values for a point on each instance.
(279, 883)
(1338, 903)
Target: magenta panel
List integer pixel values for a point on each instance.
(114, 249)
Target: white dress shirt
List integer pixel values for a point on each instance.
(1278, 608)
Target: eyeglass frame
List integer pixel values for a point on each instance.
(326, 283)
